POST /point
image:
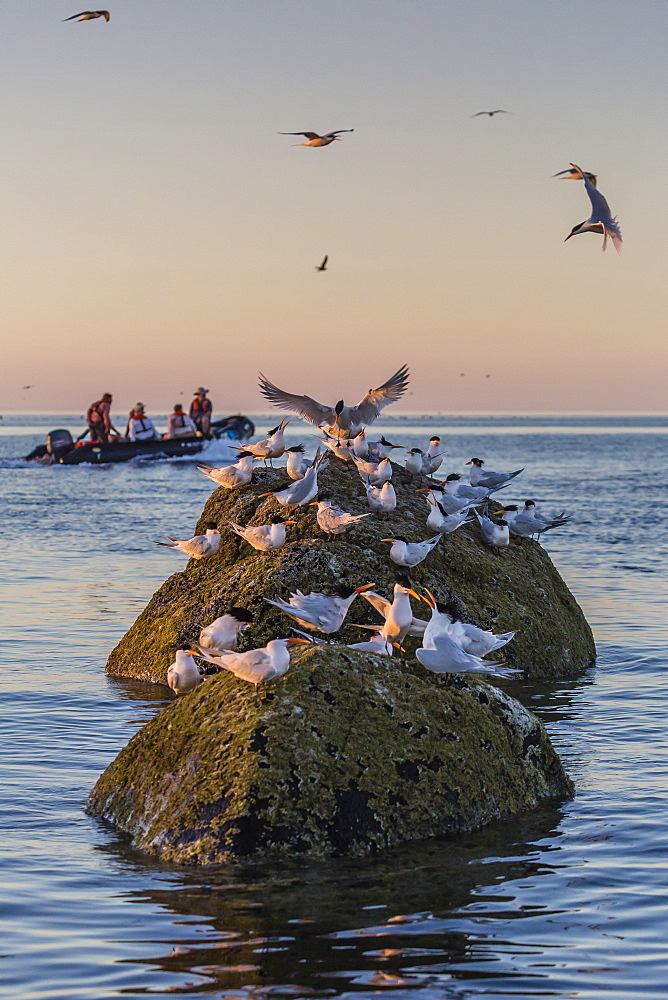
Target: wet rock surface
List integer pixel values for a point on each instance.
(347, 754)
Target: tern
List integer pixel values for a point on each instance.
(223, 632)
(272, 446)
(341, 448)
(183, 675)
(323, 266)
(405, 553)
(320, 611)
(449, 658)
(375, 473)
(318, 140)
(332, 518)
(414, 462)
(88, 15)
(573, 174)
(523, 524)
(296, 465)
(231, 476)
(378, 645)
(473, 640)
(438, 518)
(485, 477)
(302, 491)
(431, 460)
(381, 449)
(256, 665)
(600, 220)
(554, 521)
(448, 504)
(199, 546)
(497, 536)
(399, 618)
(384, 498)
(265, 537)
(339, 420)
(499, 111)
(454, 487)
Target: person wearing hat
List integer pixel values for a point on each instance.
(200, 411)
(140, 427)
(180, 424)
(98, 419)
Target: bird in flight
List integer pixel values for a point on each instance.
(88, 15)
(575, 175)
(27, 386)
(600, 220)
(318, 140)
(323, 266)
(491, 114)
(339, 420)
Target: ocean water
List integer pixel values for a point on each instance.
(567, 902)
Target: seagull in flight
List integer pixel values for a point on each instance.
(339, 420)
(499, 111)
(575, 174)
(318, 140)
(600, 220)
(88, 15)
(323, 266)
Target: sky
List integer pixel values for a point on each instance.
(159, 234)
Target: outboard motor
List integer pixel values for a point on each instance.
(58, 443)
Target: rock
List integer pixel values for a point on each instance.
(347, 754)
(517, 590)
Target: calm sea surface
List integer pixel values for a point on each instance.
(566, 902)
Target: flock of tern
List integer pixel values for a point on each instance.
(449, 645)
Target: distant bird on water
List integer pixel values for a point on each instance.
(339, 420)
(499, 111)
(323, 266)
(573, 174)
(88, 15)
(600, 220)
(318, 140)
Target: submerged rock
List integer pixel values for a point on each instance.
(347, 754)
(519, 589)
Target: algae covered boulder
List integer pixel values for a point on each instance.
(518, 589)
(346, 754)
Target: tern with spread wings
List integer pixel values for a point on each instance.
(600, 220)
(339, 420)
(318, 140)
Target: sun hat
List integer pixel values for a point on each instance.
(201, 391)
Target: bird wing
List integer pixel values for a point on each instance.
(308, 135)
(80, 14)
(199, 545)
(376, 601)
(324, 260)
(308, 409)
(370, 405)
(600, 207)
(478, 113)
(328, 135)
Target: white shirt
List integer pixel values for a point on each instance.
(180, 425)
(141, 429)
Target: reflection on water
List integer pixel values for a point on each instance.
(565, 902)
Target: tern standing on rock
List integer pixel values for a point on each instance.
(302, 492)
(497, 536)
(223, 632)
(231, 477)
(399, 618)
(485, 477)
(296, 464)
(183, 675)
(339, 420)
(264, 537)
(272, 446)
(405, 553)
(199, 546)
(320, 611)
(255, 665)
(332, 519)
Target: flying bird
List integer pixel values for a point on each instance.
(318, 140)
(27, 386)
(600, 220)
(575, 175)
(499, 111)
(323, 266)
(88, 15)
(339, 420)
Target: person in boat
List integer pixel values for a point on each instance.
(98, 418)
(140, 427)
(200, 411)
(180, 424)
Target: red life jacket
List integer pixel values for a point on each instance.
(200, 407)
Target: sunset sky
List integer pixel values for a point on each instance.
(158, 233)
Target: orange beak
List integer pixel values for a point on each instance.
(432, 600)
(266, 494)
(306, 641)
(387, 539)
(289, 522)
(367, 586)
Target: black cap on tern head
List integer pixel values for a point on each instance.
(476, 461)
(241, 614)
(244, 454)
(529, 503)
(276, 519)
(448, 608)
(296, 447)
(211, 525)
(341, 590)
(453, 477)
(339, 406)
(402, 580)
(508, 506)
(272, 431)
(434, 438)
(416, 451)
(186, 647)
(400, 538)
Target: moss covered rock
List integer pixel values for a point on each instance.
(346, 754)
(519, 589)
